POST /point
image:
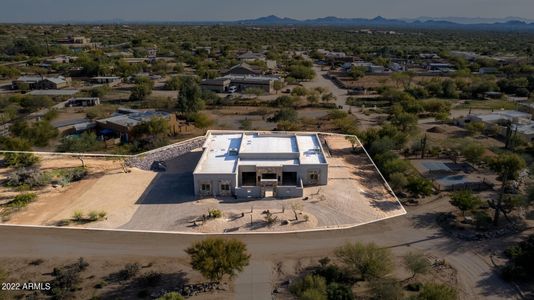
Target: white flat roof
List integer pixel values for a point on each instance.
(258, 143)
(310, 149)
(216, 158)
(222, 150)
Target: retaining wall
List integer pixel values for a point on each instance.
(145, 160)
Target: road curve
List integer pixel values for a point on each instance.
(415, 231)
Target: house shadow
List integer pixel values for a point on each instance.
(175, 185)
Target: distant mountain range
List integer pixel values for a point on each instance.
(509, 23)
(422, 22)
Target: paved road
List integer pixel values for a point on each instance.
(412, 232)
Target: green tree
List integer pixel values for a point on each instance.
(357, 72)
(216, 257)
(397, 181)
(475, 128)
(189, 96)
(85, 142)
(368, 261)
(140, 91)
(353, 140)
(278, 85)
(173, 84)
(507, 165)
(419, 186)
(201, 120)
(465, 200)
(406, 122)
(416, 263)
(472, 151)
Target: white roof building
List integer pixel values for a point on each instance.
(260, 164)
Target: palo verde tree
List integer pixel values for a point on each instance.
(189, 96)
(366, 261)
(216, 257)
(507, 165)
(465, 200)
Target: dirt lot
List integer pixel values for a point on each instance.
(106, 188)
(101, 279)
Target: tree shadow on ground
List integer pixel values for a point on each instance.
(428, 220)
(386, 205)
(143, 285)
(492, 284)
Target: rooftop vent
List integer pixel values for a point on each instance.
(233, 151)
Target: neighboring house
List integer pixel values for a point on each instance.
(521, 122)
(109, 80)
(367, 66)
(428, 56)
(61, 59)
(125, 120)
(77, 102)
(251, 56)
(38, 82)
(78, 42)
(259, 164)
(218, 85)
(487, 70)
(73, 126)
(243, 69)
(527, 107)
(241, 82)
(447, 175)
(265, 83)
(440, 67)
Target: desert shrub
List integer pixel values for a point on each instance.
(171, 296)
(214, 213)
(73, 174)
(150, 279)
(36, 262)
(66, 279)
(336, 291)
(482, 220)
(22, 200)
(20, 160)
(129, 271)
(434, 291)
(310, 284)
(520, 263)
(28, 177)
(77, 216)
(367, 261)
(386, 289)
(92, 216)
(333, 273)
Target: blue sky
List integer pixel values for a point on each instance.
(203, 10)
